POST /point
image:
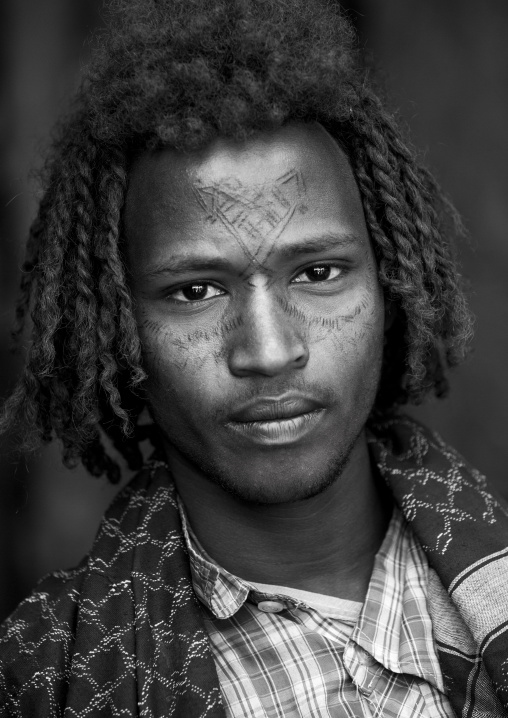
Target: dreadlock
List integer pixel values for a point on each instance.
(180, 73)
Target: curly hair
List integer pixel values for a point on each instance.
(180, 73)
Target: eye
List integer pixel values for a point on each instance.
(319, 273)
(195, 292)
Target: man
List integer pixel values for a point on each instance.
(236, 243)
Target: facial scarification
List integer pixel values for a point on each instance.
(261, 212)
(250, 221)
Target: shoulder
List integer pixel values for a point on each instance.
(415, 460)
(457, 517)
(38, 641)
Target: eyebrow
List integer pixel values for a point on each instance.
(306, 246)
(315, 245)
(181, 265)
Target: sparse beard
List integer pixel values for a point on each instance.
(272, 493)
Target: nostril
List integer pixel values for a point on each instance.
(268, 355)
(268, 342)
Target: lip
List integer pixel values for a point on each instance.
(277, 421)
(270, 409)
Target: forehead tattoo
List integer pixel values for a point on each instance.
(260, 212)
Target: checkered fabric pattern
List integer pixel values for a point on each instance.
(123, 634)
(301, 662)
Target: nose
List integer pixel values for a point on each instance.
(268, 342)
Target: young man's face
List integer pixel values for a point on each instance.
(259, 309)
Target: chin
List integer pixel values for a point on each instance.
(279, 487)
(265, 480)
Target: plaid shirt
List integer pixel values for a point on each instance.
(278, 656)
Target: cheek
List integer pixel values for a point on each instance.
(354, 327)
(347, 348)
(361, 345)
(179, 366)
(163, 344)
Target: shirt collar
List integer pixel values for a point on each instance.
(220, 591)
(394, 625)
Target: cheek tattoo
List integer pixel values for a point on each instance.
(162, 333)
(311, 323)
(152, 326)
(223, 328)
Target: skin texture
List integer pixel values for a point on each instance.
(249, 226)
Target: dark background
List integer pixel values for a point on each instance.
(445, 67)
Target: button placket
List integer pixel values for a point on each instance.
(363, 669)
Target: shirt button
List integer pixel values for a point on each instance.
(271, 606)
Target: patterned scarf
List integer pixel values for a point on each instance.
(122, 634)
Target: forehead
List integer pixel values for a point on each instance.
(266, 177)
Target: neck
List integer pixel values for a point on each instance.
(325, 544)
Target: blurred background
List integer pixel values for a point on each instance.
(445, 68)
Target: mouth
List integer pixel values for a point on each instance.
(277, 421)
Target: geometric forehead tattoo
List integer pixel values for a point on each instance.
(261, 211)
